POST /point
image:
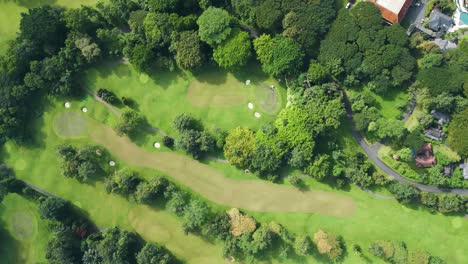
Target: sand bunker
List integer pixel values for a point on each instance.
(70, 125)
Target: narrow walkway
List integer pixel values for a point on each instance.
(372, 153)
(116, 112)
(37, 189)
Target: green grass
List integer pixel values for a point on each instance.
(388, 104)
(374, 218)
(217, 98)
(24, 234)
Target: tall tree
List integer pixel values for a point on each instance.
(214, 25)
(235, 51)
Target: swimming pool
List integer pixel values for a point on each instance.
(464, 18)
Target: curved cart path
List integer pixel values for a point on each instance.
(372, 153)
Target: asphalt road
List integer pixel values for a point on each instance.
(371, 152)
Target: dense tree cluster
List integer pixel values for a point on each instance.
(397, 252)
(458, 138)
(291, 138)
(359, 48)
(119, 246)
(83, 164)
(193, 138)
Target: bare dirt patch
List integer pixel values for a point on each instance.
(254, 195)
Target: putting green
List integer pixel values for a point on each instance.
(23, 224)
(27, 234)
(70, 125)
(254, 195)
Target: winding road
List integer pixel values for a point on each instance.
(372, 153)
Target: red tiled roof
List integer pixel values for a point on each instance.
(391, 16)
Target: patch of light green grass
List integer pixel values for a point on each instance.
(167, 94)
(25, 235)
(388, 104)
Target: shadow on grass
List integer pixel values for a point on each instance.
(10, 250)
(212, 75)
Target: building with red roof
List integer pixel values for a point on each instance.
(393, 11)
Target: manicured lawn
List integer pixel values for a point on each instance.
(373, 219)
(24, 234)
(216, 97)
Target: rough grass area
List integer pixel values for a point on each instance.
(252, 195)
(70, 124)
(374, 218)
(24, 235)
(216, 97)
(388, 104)
(412, 121)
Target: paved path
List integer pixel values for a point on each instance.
(116, 112)
(372, 153)
(37, 189)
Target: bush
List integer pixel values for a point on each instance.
(130, 123)
(107, 96)
(185, 122)
(168, 141)
(54, 208)
(404, 193)
(328, 244)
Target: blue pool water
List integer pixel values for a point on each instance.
(464, 18)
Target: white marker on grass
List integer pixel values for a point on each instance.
(112, 163)
(84, 109)
(247, 82)
(257, 115)
(250, 105)
(67, 105)
(157, 145)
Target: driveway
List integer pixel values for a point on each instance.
(416, 13)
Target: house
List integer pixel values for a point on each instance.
(448, 171)
(425, 158)
(434, 133)
(444, 44)
(440, 117)
(440, 22)
(464, 167)
(393, 11)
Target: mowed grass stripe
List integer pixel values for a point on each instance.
(253, 195)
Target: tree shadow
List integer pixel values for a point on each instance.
(34, 123)
(212, 75)
(11, 248)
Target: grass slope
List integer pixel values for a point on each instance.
(24, 234)
(217, 97)
(374, 218)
